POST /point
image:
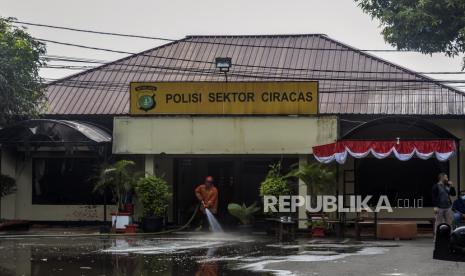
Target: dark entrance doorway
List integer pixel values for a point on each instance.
(224, 174)
(412, 179)
(237, 179)
(402, 181)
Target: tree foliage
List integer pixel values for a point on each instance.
(428, 26)
(21, 56)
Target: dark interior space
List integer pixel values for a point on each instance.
(65, 181)
(236, 178)
(411, 179)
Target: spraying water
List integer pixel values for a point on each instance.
(214, 224)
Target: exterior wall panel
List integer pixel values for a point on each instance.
(222, 135)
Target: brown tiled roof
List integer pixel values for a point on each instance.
(350, 81)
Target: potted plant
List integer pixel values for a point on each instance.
(318, 227)
(119, 179)
(244, 214)
(153, 193)
(275, 184)
(320, 180)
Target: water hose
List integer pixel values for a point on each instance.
(180, 228)
(104, 234)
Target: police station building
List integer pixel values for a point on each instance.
(229, 106)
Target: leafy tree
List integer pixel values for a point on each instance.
(427, 26)
(21, 56)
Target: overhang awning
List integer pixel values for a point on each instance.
(402, 149)
(50, 132)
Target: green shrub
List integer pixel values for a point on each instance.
(243, 213)
(316, 223)
(153, 193)
(275, 184)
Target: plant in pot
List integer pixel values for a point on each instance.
(318, 227)
(118, 178)
(275, 184)
(244, 214)
(153, 193)
(320, 180)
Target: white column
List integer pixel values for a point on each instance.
(303, 160)
(8, 167)
(149, 164)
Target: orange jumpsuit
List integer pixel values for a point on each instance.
(209, 196)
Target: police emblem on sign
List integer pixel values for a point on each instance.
(147, 101)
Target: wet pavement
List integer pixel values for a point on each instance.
(212, 255)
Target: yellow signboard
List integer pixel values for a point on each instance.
(224, 98)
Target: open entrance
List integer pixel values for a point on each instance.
(236, 178)
(399, 157)
(405, 183)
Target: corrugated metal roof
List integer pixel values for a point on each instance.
(350, 81)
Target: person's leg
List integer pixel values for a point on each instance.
(438, 219)
(449, 216)
(199, 220)
(441, 217)
(457, 218)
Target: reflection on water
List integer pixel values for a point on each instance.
(206, 255)
(119, 256)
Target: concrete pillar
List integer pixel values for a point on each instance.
(8, 167)
(303, 160)
(149, 164)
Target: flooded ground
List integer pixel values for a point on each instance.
(182, 254)
(202, 254)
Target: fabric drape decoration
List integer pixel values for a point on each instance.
(402, 150)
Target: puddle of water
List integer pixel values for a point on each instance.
(194, 254)
(261, 266)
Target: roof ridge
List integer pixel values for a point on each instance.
(254, 35)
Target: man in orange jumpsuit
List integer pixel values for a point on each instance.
(207, 194)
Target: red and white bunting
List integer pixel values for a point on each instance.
(402, 150)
